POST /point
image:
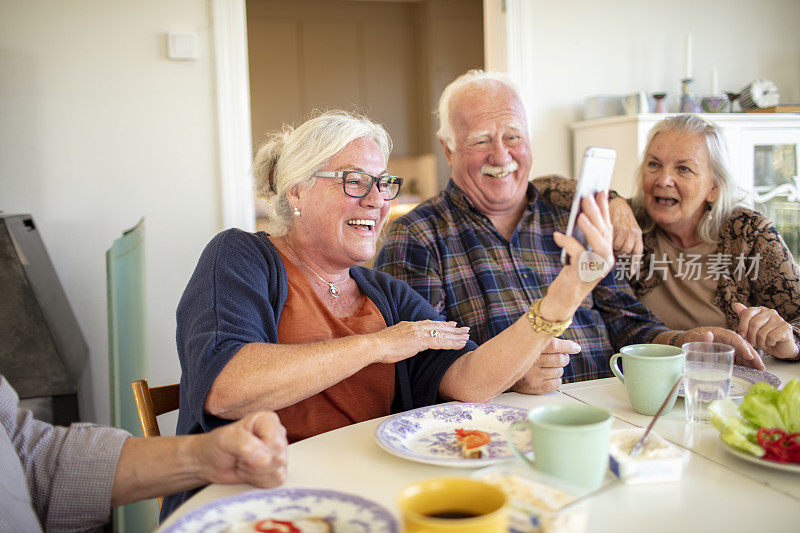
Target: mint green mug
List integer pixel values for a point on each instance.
(570, 442)
(651, 371)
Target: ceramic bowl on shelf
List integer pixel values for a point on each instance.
(715, 104)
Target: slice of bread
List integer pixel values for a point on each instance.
(313, 524)
(474, 453)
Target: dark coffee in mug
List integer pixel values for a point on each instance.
(452, 514)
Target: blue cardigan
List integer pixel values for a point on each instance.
(235, 297)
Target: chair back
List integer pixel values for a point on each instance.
(152, 402)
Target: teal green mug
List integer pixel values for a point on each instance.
(651, 371)
(570, 442)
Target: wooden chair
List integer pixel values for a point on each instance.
(151, 402)
(154, 401)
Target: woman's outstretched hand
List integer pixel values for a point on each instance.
(406, 339)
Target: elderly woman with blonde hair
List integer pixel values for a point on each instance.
(288, 321)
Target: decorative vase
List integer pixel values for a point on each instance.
(689, 102)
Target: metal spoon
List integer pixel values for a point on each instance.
(636, 449)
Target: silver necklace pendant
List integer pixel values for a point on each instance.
(331, 286)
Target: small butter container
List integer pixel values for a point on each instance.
(536, 500)
(658, 461)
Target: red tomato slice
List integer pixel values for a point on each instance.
(275, 526)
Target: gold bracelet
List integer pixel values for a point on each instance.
(543, 325)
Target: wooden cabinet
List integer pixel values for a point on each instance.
(764, 151)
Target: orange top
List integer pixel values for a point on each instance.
(365, 395)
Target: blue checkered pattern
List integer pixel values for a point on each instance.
(450, 252)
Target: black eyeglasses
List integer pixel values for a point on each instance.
(358, 184)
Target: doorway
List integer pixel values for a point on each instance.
(387, 59)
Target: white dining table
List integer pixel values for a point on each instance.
(717, 492)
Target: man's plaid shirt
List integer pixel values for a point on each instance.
(451, 254)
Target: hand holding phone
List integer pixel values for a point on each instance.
(595, 176)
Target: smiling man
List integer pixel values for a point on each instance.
(483, 249)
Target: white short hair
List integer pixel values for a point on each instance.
(290, 157)
(721, 208)
(480, 78)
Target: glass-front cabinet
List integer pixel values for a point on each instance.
(775, 180)
(764, 150)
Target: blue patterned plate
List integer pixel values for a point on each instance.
(427, 435)
(743, 378)
(347, 513)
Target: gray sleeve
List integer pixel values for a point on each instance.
(70, 471)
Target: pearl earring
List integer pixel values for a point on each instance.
(296, 211)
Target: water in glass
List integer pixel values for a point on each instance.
(702, 386)
(707, 377)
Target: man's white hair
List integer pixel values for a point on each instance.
(480, 79)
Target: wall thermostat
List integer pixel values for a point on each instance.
(182, 46)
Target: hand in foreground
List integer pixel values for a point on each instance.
(406, 339)
(765, 329)
(744, 353)
(545, 374)
(627, 233)
(251, 450)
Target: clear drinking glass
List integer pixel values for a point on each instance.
(707, 374)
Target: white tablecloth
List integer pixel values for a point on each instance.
(718, 491)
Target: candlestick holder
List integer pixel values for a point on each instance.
(732, 97)
(689, 102)
(661, 104)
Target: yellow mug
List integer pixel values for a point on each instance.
(453, 505)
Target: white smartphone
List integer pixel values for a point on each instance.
(595, 176)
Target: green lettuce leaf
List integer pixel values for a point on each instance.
(733, 428)
(760, 407)
(737, 440)
(788, 404)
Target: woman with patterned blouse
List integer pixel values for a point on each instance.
(747, 279)
(705, 259)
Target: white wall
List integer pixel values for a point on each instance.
(97, 129)
(580, 48)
